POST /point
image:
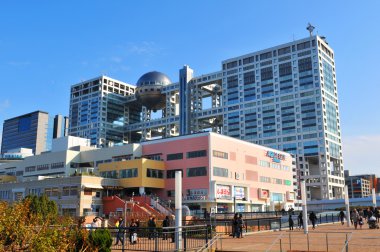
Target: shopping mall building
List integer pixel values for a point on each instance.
(219, 172)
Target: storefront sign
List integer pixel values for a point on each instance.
(195, 197)
(290, 196)
(239, 192)
(276, 157)
(263, 193)
(223, 192)
(196, 192)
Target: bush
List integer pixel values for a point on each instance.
(101, 240)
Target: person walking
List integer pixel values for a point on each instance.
(241, 225)
(313, 218)
(165, 225)
(300, 220)
(355, 218)
(133, 232)
(234, 224)
(120, 232)
(291, 222)
(341, 216)
(151, 227)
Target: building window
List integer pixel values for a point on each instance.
(195, 154)
(264, 163)
(170, 174)
(57, 165)
(174, 156)
(154, 173)
(265, 179)
(220, 154)
(129, 173)
(43, 167)
(171, 193)
(87, 191)
(196, 172)
(220, 172)
(30, 169)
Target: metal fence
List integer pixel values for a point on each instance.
(160, 239)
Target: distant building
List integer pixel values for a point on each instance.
(360, 186)
(372, 178)
(33, 130)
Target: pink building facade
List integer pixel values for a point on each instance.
(224, 174)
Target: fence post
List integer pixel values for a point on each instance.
(280, 224)
(206, 236)
(258, 224)
(308, 244)
(155, 234)
(280, 246)
(327, 243)
(124, 239)
(346, 244)
(185, 239)
(332, 217)
(290, 241)
(326, 219)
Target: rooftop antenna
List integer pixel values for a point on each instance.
(310, 28)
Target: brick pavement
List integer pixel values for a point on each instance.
(329, 237)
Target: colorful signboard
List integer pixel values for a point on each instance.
(223, 192)
(276, 157)
(239, 192)
(263, 193)
(290, 196)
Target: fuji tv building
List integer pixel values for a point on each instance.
(284, 97)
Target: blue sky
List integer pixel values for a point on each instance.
(46, 46)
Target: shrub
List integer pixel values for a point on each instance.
(101, 240)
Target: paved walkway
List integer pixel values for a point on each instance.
(329, 237)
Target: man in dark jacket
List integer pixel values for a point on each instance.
(120, 232)
(313, 218)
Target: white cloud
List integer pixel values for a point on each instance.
(4, 105)
(18, 63)
(361, 155)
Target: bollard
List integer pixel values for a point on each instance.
(308, 245)
(346, 244)
(290, 241)
(327, 243)
(280, 246)
(185, 240)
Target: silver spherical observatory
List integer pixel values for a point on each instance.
(149, 88)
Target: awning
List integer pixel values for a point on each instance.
(93, 186)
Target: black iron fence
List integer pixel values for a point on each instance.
(160, 239)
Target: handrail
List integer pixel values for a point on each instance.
(274, 242)
(210, 242)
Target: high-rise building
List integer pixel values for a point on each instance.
(61, 126)
(34, 130)
(97, 110)
(284, 97)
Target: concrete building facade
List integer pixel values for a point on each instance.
(219, 172)
(284, 97)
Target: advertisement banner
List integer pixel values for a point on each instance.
(223, 192)
(239, 192)
(290, 196)
(263, 193)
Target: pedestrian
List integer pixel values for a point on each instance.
(151, 227)
(300, 220)
(120, 232)
(234, 224)
(355, 218)
(241, 225)
(291, 222)
(172, 224)
(133, 232)
(313, 218)
(341, 216)
(165, 225)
